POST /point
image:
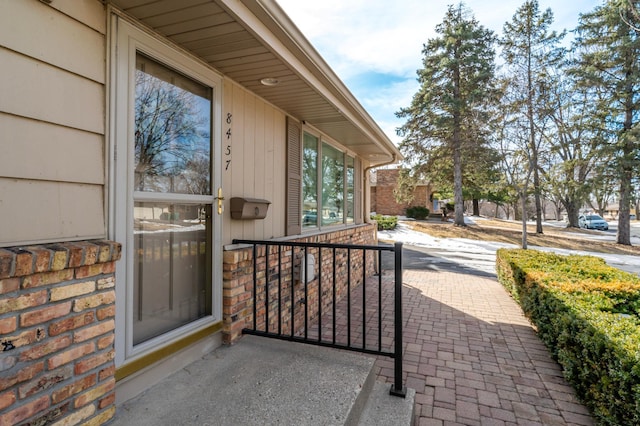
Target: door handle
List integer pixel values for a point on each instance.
(220, 199)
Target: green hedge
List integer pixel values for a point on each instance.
(385, 222)
(588, 315)
(417, 212)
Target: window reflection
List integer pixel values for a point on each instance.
(172, 131)
(350, 170)
(328, 198)
(332, 185)
(310, 181)
(172, 271)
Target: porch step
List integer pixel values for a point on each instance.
(263, 381)
(384, 409)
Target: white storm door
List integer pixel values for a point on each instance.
(164, 177)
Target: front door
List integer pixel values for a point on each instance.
(165, 163)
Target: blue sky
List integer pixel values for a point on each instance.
(375, 46)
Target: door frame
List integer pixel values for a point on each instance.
(125, 39)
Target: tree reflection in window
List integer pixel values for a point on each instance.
(350, 187)
(172, 131)
(310, 181)
(332, 185)
(331, 200)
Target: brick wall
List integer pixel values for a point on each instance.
(383, 200)
(238, 281)
(57, 310)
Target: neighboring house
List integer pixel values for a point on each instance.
(128, 130)
(611, 211)
(383, 184)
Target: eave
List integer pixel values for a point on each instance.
(248, 40)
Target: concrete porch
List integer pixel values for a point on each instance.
(263, 381)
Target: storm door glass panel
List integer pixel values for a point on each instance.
(172, 131)
(332, 185)
(310, 182)
(350, 189)
(172, 225)
(172, 267)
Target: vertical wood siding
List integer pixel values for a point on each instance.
(258, 158)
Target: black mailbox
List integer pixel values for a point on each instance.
(249, 208)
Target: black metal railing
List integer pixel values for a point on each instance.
(333, 295)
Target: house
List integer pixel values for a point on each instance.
(129, 131)
(383, 201)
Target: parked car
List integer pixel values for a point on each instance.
(310, 218)
(593, 221)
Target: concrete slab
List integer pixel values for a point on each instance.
(257, 382)
(384, 409)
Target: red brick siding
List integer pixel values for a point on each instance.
(57, 308)
(382, 198)
(238, 281)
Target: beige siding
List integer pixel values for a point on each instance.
(53, 38)
(52, 120)
(37, 90)
(38, 150)
(89, 12)
(257, 168)
(40, 211)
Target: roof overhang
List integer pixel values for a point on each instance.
(249, 40)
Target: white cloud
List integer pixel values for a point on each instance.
(361, 37)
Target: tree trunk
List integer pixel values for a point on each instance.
(458, 200)
(476, 207)
(626, 175)
(516, 210)
(534, 165)
(573, 211)
(524, 220)
(624, 223)
(536, 193)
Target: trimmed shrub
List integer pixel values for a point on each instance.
(588, 315)
(417, 212)
(385, 223)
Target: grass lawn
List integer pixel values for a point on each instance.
(511, 232)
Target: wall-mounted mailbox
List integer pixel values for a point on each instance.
(249, 208)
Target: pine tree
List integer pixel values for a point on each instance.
(609, 39)
(530, 51)
(448, 116)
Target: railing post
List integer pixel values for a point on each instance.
(255, 287)
(397, 389)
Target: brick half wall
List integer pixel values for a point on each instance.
(57, 321)
(238, 280)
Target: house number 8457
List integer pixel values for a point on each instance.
(227, 151)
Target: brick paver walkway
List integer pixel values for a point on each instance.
(474, 359)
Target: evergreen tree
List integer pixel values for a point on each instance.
(609, 39)
(530, 51)
(448, 117)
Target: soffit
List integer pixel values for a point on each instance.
(247, 40)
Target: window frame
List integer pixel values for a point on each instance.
(324, 139)
(126, 40)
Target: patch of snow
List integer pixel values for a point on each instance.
(480, 249)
